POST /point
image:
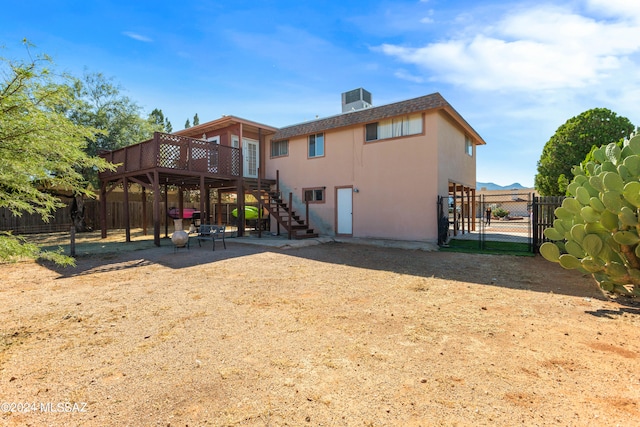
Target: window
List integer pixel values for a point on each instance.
(468, 146)
(279, 148)
(314, 195)
(316, 145)
(394, 128)
(372, 131)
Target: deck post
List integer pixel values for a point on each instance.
(259, 204)
(144, 211)
(240, 204)
(240, 199)
(204, 194)
(473, 208)
(156, 208)
(127, 220)
(166, 209)
(455, 209)
(103, 209)
(180, 203)
(218, 219)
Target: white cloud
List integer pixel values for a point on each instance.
(538, 48)
(623, 9)
(137, 36)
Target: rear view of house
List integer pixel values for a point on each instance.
(377, 172)
(370, 172)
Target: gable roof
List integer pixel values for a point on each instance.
(435, 101)
(223, 122)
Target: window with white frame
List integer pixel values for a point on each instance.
(279, 148)
(395, 127)
(316, 145)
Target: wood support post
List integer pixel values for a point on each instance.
(156, 208)
(127, 219)
(103, 209)
(144, 211)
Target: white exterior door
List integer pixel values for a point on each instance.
(345, 211)
(250, 153)
(214, 158)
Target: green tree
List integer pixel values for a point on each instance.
(118, 119)
(572, 142)
(196, 120)
(42, 151)
(156, 118)
(159, 122)
(187, 124)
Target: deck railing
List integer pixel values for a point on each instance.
(167, 151)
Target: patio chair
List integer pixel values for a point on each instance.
(211, 232)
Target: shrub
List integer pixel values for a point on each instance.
(596, 230)
(500, 213)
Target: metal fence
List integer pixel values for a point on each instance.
(505, 218)
(513, 222)
(543, 215)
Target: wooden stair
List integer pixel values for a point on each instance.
(280, 210)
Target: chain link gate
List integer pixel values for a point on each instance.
(505, 222)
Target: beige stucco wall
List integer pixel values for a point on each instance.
(455, 165)
(398, 180)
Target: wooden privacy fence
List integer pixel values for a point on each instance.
(61, 221)
(32, 223)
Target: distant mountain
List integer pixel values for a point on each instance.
(492, 186)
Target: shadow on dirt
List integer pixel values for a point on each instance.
(514, 272)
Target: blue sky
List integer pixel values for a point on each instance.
(516, 70)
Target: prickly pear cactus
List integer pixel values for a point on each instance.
(596, 230)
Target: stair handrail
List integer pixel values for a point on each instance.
(306, 204)
(290, 227)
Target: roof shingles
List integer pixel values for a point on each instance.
(367, 115)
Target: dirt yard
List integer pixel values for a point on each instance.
(336, 334)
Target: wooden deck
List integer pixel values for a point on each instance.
(178, 160)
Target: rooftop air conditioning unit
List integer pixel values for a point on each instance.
(356, 99)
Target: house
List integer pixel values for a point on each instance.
(377, 172)
(370, 172)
